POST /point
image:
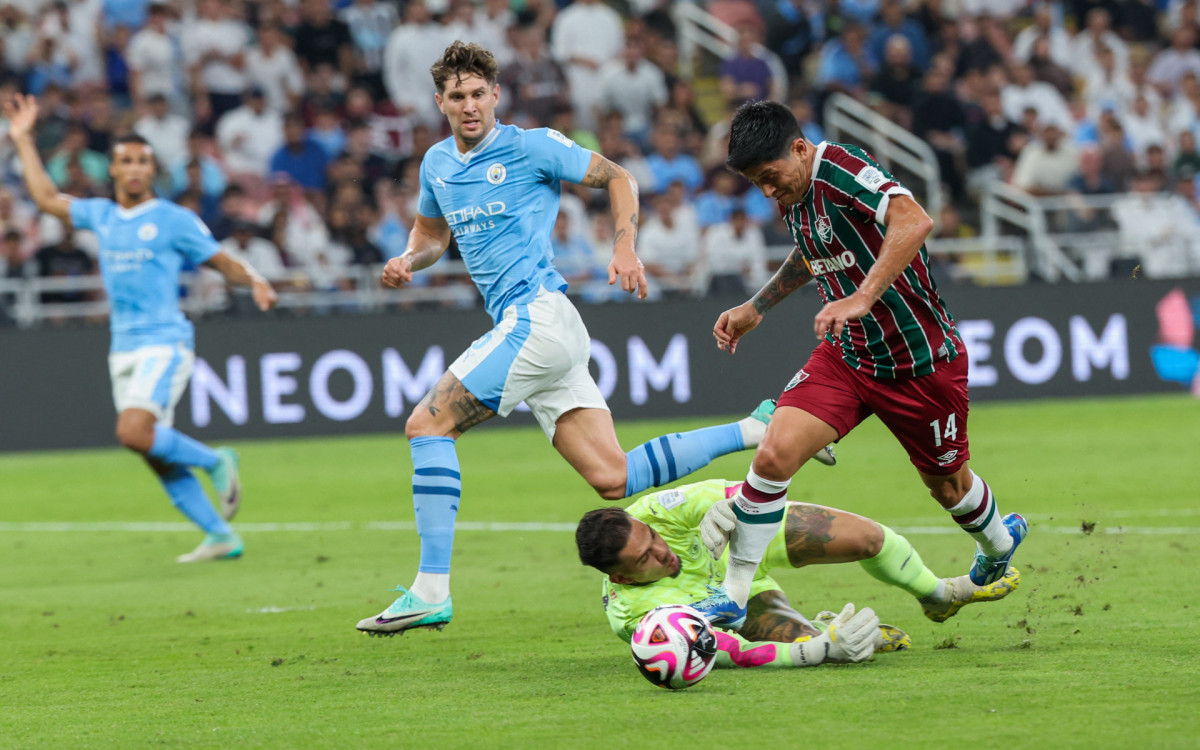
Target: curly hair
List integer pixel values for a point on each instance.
(464, 59)
(600, 537)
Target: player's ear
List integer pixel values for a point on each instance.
(799, 147)
(438, 98)
(620, 579)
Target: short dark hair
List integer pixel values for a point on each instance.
(600, 537)
(761, 132)
(464, 59)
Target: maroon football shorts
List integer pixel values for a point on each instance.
(928, 415)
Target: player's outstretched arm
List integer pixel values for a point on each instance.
(240, 273)
(738, 321)
(427, 241)
(21, 112)
(623, 197)
(907, 227)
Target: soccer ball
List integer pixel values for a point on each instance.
(674, 646)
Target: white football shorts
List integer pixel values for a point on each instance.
(538, 354)
(151, 378)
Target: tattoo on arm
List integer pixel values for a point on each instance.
(806, 531)
(769, 617)
(601, 173)
(792, 275)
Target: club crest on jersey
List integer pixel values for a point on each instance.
(796, 380)
(147, 232)
(496, 173)
(824, 229)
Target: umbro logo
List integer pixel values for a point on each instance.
(946, 458)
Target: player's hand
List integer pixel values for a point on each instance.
(397, 272)
(833, 317)
(21, 112)
(852, 635)
(626, 267)
(716, 526)
(733, 324)
(263, 294)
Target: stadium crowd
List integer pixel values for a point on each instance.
(294, 128)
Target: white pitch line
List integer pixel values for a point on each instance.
(498, 527)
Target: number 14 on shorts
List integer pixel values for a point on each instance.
(950, 433)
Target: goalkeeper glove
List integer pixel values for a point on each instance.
(851, 637)
(716, 526)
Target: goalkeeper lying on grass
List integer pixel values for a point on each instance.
(652, 553)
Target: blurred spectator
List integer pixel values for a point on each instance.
(19, 216)
(212, 181)
(272, 67)
(669, 246)
(233, 207)
(734, 257)
(898, 82)
(322, 39)
(167, 133)
(714, 206)
(1155, 165)
(790, 32)
(412, 47)
(1046, 69)
(1097, 33)
(348, 238)
(74, 149)
(74, 29)
(12, 267)
(390, 231)
(357, 150)
(1047, 163)
(894, 21)
(370, 23)
(668, 164)
(155, 64)
(977, 48)
(391, 132)
(574, 256)
(845, 64)
(115, 65)
(64, 259)
(50, 64)
(1170, 65)
(632, 86)
(1107, 86)
(1187, 156)
(1089, 180)
(938, 117)
(1158, 229)
(1044, 26)
(534, 84)
(214, 47)
(18, 37)
(1117, 162)
(993, 142)
(300, 157)
(1024, 92)
(327, 131)
(746, 76)
(466, 22)
(682, 111)
(1143, 126)
(294, 225)
(585, 35)
(249, 136)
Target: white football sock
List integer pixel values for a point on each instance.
(434, 588)
(758, 506)
(979, 516)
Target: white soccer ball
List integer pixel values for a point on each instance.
(674, 646)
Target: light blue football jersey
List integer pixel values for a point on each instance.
(142, 250)
(500, 200)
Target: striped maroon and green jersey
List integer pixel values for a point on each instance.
(838, 227)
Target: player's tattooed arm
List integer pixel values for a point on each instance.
(623, 197)
(769, 617)
(792, 275)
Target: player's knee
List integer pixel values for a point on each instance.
(774, 463)
(421, 424)
(134, 436)
(870, 540)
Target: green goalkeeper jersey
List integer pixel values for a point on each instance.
(675, 515)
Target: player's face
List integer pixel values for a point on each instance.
(132, 168)
(645, 558)
(785, 179)
(469, 103)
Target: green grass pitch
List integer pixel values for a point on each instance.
(106, 642)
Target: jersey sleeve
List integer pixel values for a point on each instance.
(678, 511)
(192, 238)
(862, 186)
(555, 156)
(427, 204)
(84, 212)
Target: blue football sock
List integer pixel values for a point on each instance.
(173, 447)
(188, 496)
(437, 487)
(670, 457)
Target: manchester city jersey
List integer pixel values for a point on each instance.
(500, 200)
(142, 250)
